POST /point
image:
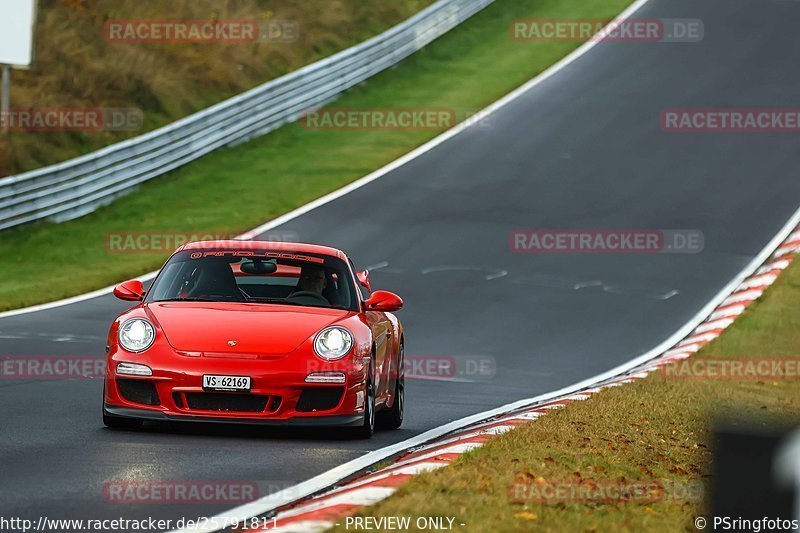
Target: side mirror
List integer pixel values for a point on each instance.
(131, 291)
(363, 279)
(384, 301)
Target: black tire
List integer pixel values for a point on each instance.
(367, 429)
(392, 418)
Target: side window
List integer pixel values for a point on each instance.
(361, 289)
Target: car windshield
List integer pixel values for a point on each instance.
(257, 277)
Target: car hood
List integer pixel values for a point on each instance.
(239, 329)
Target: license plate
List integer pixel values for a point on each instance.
(226, 383)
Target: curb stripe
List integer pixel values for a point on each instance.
(443, 451)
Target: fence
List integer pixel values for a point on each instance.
(79, 186)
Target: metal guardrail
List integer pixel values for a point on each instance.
(79, 186)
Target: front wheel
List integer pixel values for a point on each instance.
(367, 429)
(392, 418)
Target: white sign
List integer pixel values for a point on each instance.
(17, 25)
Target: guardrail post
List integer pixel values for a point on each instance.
(4, 98)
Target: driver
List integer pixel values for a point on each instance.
(310, 286)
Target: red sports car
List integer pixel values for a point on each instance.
(256, 332)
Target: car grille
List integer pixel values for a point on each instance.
(138, 391)
(212, 401)
(319, 399)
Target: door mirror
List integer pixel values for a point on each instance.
(384, 301)
(131, 291)
(363, 279)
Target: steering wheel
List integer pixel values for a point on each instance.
(308, 294)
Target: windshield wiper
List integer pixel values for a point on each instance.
(190, 300)
(279, 301)
(270, 300)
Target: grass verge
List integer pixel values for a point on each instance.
(652, 429)
(168, 80)
(236, 189)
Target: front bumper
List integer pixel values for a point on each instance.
(278, 395)
(315, 421)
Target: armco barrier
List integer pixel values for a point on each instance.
(81, 185)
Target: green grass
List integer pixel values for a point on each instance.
(653, 429)
(77, 67)
(237, 189)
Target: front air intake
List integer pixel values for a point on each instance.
(319, 399)
(138, 391)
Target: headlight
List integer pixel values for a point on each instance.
(333, 343)
(136, 334)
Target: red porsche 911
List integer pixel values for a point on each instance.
(259, 333)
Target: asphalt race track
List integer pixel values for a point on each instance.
(584, 149)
